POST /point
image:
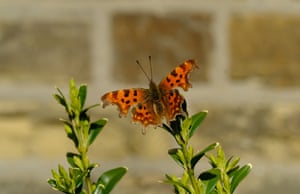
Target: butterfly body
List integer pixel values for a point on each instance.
(159, 102)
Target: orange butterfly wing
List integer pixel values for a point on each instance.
(179, 76)
(145, 114)
(124, 99)
(173, 102)
(143, 111)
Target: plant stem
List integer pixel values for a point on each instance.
(85, 162)
(82, 149)
(88, 185)
(189, 169)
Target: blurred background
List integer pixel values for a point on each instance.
(248, 53)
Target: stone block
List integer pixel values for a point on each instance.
(261, 131)
(265, 46)
(170, 39)
(42, 51)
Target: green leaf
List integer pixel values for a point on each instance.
(68, 128)
(239, 175)
(110, 178)
(52, 183)
(55, 174)
(196, 121)
(221, 154)
(74, 97)
(70, 158)
(83, 116)
(77, 176)
(82, 94)
(60, 99)
(73, 92)
(99, 189)
(78, 162)
(210, 174)
(232, 171)
(175, 125)
(207, 175)
(95, 128)
(210, 185)
(200, 154)
(176, 182)
(174, 154)
(70, 132)
(62, 179)
(232, 165)
(63, 172)
(92, 166)
(186, 124)
(213, 161)
(168, 129)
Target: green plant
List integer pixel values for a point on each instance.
(224, 175)
(222, 178)
(78, 127)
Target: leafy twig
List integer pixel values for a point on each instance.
(83, 132)
(222, 178)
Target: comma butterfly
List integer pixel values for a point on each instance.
(151, 106)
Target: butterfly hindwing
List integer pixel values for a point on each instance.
(173, 102)
(145, 114)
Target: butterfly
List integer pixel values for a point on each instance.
(158, 103)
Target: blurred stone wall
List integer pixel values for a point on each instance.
(248, 79)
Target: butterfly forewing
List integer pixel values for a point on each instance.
(124, 98)
(179, 76)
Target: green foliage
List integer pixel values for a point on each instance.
(224, 175)
(108, 180)
(78, 127)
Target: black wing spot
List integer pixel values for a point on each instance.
(171, 94)
(168, 79)
(127, 101)
(183, 67)
(139, 106)
(135, 92)
(174, 73)
(126, 93)
(134, 100)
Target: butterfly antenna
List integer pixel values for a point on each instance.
(143, 70)
(150, 67)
